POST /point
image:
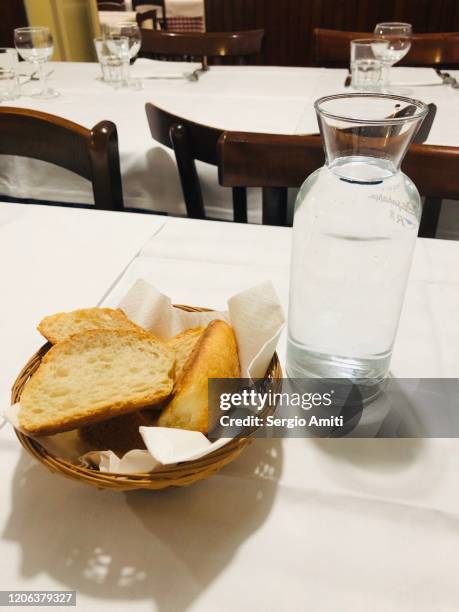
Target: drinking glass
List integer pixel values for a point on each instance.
(9, 86)
(113, 55)
(366, 65)
(35, 45)
(398, 36)
(132, 32)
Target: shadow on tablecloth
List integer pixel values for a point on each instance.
(166, 546)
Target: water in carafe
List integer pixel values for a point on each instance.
(355, 228)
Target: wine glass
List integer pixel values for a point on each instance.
(35, 45)
(399, 37)
(131, 31)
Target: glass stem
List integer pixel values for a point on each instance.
(126, 72)
(42, 77)
(385, 75)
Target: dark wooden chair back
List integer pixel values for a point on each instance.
(275, 163)
(141, 17)
(111, 6)
(162, 19)
(270, 161)
(90, 153)
(144, 16)
(200, 45)
(192, 141)
(331, 48)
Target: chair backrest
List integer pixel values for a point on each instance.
(159, 3)
(90, 153)
(239, 45)
(332, 48)
(276, 162)
(111, 6)
(270, 161)
(191, 141)
(142, 17)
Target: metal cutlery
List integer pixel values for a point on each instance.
(29, 78)
(34, 77)
(348, 79)
(447, 78)
(194, 76)
(189, 76)
(426, 125)
(165, 77)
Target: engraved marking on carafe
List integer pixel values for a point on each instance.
(357, 238)
(355, 182)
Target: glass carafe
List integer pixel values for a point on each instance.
(355, 227)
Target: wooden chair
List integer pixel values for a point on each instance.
(202, 45)
(141, 17)
(192, 141)
(161, 4)
(111, 6)
(277, 162)
(90, 153)
(331, 48)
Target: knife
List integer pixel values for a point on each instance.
(348, 79)
(426, 125)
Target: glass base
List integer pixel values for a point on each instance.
(367, 374)
(135, 84)
(46, 94)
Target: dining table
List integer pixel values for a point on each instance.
(293, 524)
(270, 99)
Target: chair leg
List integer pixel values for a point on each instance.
(274, 206)
(240, 204)
(430, 216)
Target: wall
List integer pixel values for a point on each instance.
(73, 24)
(288, 23)
(13, 15)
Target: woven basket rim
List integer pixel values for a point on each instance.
(163, 474)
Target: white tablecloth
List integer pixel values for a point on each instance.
(254, 98)
(329, 525)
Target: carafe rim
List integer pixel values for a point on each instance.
(421, 107)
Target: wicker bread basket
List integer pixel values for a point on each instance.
(178, 475)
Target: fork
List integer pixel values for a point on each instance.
(447, 78)
(34, 77)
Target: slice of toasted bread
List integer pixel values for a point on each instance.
(60, 326)
(93, 376)
(120, 434)
(183, 345)
(214, 356)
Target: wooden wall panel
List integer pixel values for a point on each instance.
(13, 15)
(288, 23)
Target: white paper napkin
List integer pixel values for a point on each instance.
(257, 319)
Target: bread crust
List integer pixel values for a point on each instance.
(101, 412)
(84, 319)
(214, 356)
(183, 345)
